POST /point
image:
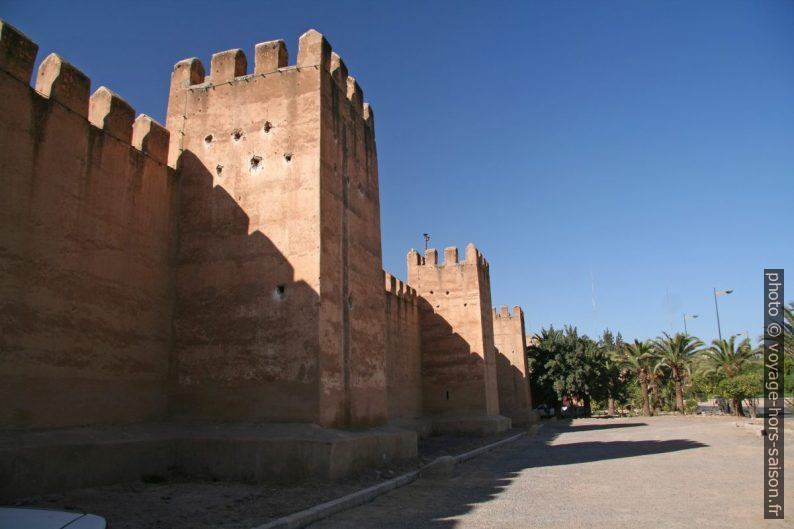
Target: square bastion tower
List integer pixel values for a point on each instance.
(278, 297)
(512, 373)
(459, 384)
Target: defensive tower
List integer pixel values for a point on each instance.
(279, 303)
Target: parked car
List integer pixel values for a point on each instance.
(545, 411)
(29, 518)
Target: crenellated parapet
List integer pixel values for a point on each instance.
(450, 258)
(350, 87)
(62, 84)
(397, 288)
(17, 52)
(504, 313)
(271, 59)
(419, 265)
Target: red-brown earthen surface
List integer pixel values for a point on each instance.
(224, 268)
(458, 358)
(515, 400)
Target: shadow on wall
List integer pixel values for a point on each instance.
(85, 249)
(511, 403)
(403, 351)
(453, 377)
(246, 344)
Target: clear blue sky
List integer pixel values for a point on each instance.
(645, 148)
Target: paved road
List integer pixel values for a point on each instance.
(665, 472)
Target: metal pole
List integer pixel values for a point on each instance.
(717, 308)
(685, 332)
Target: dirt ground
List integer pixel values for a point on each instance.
(173, 502)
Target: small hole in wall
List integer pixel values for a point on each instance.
(465, 304)
(447, 292)
(438, 306)
(431, 291)
(288, 156)
(237, 134)
(218, 169)
(279, 292)
(255, 162)
(447, 394)
(268, 125)
(208, 138)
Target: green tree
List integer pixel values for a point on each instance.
(703, 385)
(677, 353)
(565, 364)
(742, 386)
(543, 363)
(727, 359)
(613, 383)
(637, 359)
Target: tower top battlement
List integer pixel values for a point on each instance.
(271, 58)
(504, 313)
(471, 256)
(229, 81)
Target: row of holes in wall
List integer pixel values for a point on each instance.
(254, 164)
(447, 293)
(237, 134)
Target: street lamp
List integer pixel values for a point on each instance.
(718, 293)
(688, 317)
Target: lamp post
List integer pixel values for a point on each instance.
(688, 317)
(718, 293)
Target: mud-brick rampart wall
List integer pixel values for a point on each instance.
(85, 248)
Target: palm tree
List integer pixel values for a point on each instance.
(655, 376)
(677, 353)
(637, 358)
(728, 359)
